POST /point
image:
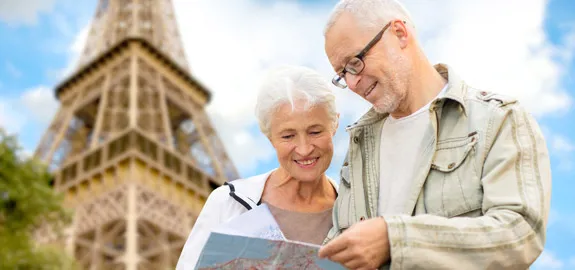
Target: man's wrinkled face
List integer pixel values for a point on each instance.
(382, 82)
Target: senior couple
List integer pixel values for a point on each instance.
(438, 174)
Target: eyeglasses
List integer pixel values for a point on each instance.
(355, 65)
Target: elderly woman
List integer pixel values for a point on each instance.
(296, 111)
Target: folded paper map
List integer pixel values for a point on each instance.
(225, 251)
(253, 241)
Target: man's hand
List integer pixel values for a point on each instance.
(365, 245)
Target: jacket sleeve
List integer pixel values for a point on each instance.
(208, 219)
(510, 234)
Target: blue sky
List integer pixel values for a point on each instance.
(522, 48)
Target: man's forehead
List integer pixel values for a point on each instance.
(344, 40)
(338, 51)
(341, 47)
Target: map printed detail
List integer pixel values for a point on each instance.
(224, 251)
(272, 233)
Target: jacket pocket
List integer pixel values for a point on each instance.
(453, 187)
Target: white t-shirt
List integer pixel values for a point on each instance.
(400, 145)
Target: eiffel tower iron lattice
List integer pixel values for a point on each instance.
(131, 146)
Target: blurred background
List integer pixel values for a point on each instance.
(521, 48)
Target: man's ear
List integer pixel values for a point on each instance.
(401, 32)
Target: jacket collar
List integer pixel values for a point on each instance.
(251, 189)
(456, 91)
(456, 87)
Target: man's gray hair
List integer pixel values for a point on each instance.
(370, 13)
(288, 84)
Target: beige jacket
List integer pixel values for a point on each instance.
(482, 193)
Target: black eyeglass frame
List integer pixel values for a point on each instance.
(358, 58)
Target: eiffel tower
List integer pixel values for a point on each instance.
(131, 147)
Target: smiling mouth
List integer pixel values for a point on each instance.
(306, 162)
(370, 89)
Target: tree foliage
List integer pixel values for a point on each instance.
(27, 202)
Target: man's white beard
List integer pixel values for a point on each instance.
(389, 102)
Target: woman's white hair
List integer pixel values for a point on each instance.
(288, 84)
(370, 13)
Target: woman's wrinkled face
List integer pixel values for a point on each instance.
(303, 140)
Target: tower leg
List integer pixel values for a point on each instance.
(132, 230)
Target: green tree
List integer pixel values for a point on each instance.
(27, 201)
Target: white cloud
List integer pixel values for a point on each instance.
(548, 260)
(568, 43)
(562, 144)
(24, 11)
(564, 148)
(561, 148)
(35, 106)
(245, 142)
(11, 118)
(12, 121)
(40, 103)
(231, 43)
(500, 50)
(74, 51)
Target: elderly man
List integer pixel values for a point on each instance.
(438, 174)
